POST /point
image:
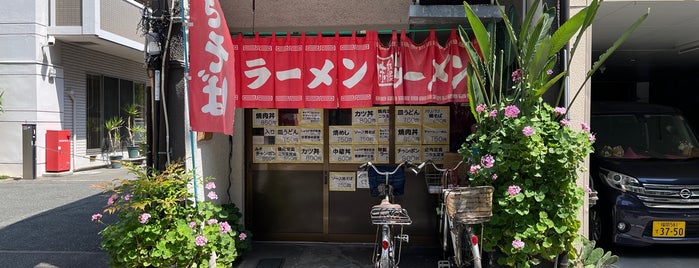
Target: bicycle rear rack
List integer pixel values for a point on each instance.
(391, 216)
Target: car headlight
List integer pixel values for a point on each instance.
(621, 181)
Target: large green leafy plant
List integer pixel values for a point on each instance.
(525, 148)
(159, 225)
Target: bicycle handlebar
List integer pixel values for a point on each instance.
(423, 164)
(415, 169)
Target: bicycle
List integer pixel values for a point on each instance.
(460, 208)
(386, 216)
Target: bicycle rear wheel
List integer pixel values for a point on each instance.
(466, 252)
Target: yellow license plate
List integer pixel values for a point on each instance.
(668, 229)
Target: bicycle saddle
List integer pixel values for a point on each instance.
(387, 205)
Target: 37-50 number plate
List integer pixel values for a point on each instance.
(668, 228)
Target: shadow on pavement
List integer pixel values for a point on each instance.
(61, 237)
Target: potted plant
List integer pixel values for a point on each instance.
(133, 129)
(113, 125)
(527, 149)
(161, 224)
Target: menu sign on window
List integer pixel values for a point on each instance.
(311, 117)
(408, 153)
(363, 116)
(342, 181)
(407, 135)
(264, 117)
(340, 153)
(340, 134)
(311, 136)
(408, 115)
(264, 154)
(311, 154)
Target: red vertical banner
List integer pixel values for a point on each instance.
(320, 72)
(212, 86)
(288, 66)
(418, 61)
(459, 61)
(388, 72)
(357, 70)
(257, 72)
(448, 84)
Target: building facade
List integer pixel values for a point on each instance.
(66, 65)
(297, 200)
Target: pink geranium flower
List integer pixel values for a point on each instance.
(487, 161)
(224, 227)
(210, 185)
(201, 241)
(560, 110)
(517, 244)
(517, 75)
(474, 169)
(528, 131)
(591, 137)
(96, 217)
(511, 111)
(493, 113)
(585, 127)
(144, 217)
(242, 236)
(565, 122)
(481, 108)
(212, 195)
(495, 176)
(513, 190)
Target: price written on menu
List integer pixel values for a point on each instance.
(341, 134)
(311, 154)
(264, 117)
(407, 135)
(437, 115)
(342, 181)
(365, 135)
(340, 153)
(363, 116)
(287, 154)
(383, 115)
(434, 153)
(435, 135)
(264, 154)
(287, 135)
(408, 115)
(407, 153)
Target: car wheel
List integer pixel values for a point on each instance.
(600, 228)
(595, 225)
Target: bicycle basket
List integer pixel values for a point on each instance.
(469, 204)
(396, 180)
(434, 181)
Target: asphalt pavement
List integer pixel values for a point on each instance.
(46, 223)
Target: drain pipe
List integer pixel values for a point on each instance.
(72, 132)
(564, 15)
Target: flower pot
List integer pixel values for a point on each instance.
(133, 151)
(115, 161)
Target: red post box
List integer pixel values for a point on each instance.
(57, 150)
